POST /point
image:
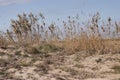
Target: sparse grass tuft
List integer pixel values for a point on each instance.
(23, 64)
(116, 69)
(32, 50)
(49, 48)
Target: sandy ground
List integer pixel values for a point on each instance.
(20, 65)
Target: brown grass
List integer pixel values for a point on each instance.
(3, 40)
(93, 36)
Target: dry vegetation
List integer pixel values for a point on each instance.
(32, 49)
(94, 36)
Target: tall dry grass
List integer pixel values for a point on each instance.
(3, 40)
(94, 36)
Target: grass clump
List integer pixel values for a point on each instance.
(24, 64)
(49, 48)
(2, 53)
(116, 69)
(43, 48)
(32, 50)
(3, 39)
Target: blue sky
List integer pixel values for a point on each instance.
(54, 9)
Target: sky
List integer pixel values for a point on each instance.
(54, 9)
